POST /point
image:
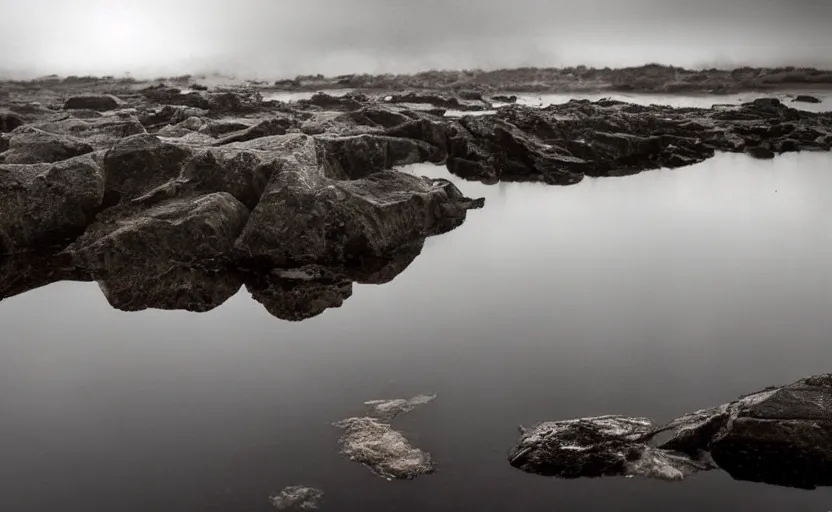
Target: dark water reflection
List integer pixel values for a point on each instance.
(649, 295)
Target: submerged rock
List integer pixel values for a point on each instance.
(384, 451)
(297, 498)
(780, 436)
(389, 409)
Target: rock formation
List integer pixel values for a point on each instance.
(385, 451)
(163, 195)
(780, 436)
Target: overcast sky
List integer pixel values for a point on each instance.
(280, 38)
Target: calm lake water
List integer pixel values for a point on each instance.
(653, 295)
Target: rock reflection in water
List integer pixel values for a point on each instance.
(288, 294)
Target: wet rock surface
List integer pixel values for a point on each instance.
(371, 441)
(318, 202)
(780, 436)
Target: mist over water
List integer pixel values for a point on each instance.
(272, 39)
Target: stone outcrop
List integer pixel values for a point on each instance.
(561, 144)
(321, 205)
(305, 217)
(780, 436)
(43, 204)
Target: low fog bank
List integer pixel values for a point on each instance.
(270, 40)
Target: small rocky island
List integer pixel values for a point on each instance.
(176, 196)
(780, 436)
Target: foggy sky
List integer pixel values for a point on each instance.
(282, 38)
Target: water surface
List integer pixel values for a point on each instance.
(653, 295)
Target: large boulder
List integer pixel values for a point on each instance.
(780, 435)
(305, 217)
(244, 174)
(140, 163)
(100, 102)
(47, 204)
(188, 230)
(28, 145)
(165, 255)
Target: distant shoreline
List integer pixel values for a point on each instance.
(651, 78)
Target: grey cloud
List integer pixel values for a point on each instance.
(275, 38)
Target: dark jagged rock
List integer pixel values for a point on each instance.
(561, 143)
(100, 102)
(780, 436)
(184, 231)
(494, 150)
(805, 98)
(305, 217)
(165, 255)
(28, 145)
(243, 174)
(140, 163)
(199, 87)
(435, 133)
(9, 121)
(362, 155)
(43, 204)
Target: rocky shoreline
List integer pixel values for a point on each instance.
(175, 199)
